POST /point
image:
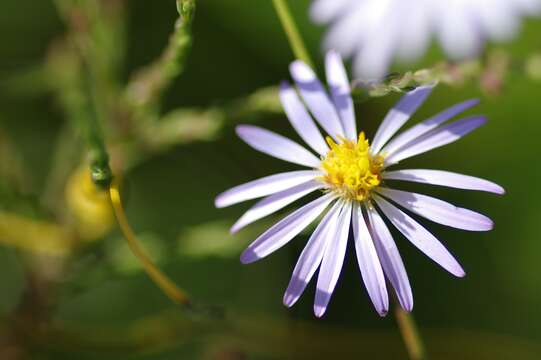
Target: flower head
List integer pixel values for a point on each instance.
(350, 170)
(375, 32)
(351, 175)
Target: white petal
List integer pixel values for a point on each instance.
(375, 32)
(499, 19)
(420, 237)
(529, 7)
(285, 230)
(439, 211)
(415, 32)
(276, 145)
(275, 202)
(264, 186)
(438, 137)
(390, 259)
(316, 98)
(368, 261)
(398, 116)
(425, 126)
(458, 32)
(375, 56)
(338, 82)
(373, 63)
(323, 11)
(301, 120)
(444, 178)
(351, 30)
(311, 256)
(333, 259)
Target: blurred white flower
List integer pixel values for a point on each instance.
(376, 32)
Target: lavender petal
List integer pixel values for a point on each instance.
(332, 262)
(390, 259)
(369, 264)
(301, 120)
(264, 186)
(311, 256)
(439, 211)
(275, 202)
(276, 145)
(420, 237)
(316, 98)
(444, 178)
(398, 116)
(285, 230)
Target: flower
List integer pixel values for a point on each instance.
(351, 175)
(375, 32)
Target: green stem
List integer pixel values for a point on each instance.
(90, 128)
(410, 334)
(292, 33)
(167, 285)
(148, 84)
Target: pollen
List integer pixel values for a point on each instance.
(350, 170)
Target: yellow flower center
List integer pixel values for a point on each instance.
(350, 169)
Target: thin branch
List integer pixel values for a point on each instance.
(292, 33)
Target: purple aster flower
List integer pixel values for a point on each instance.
(351, 176)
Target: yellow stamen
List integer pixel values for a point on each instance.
(350, 169)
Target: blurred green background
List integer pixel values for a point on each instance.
(66, 294)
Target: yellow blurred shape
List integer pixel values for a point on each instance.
(89, 206)
(34, 235)
(533, 67)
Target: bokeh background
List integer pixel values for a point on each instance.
(69, 286)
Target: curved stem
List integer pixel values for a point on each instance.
(163, 282)
(410, 334)
(292, 33)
